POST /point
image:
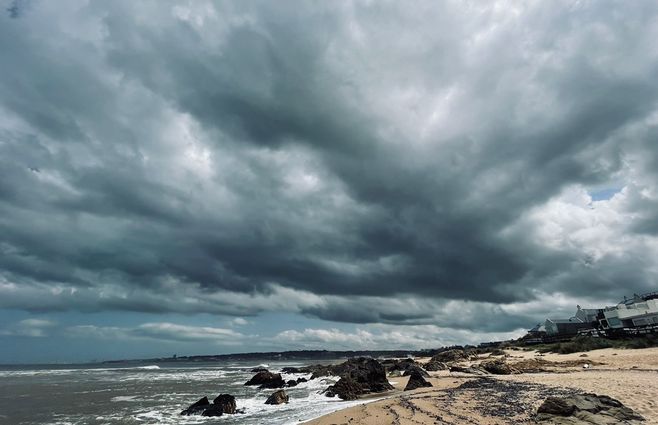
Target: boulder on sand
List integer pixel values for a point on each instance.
(434, 366)
(416, 380)
(497, 367)
(277, 397)
(586, 409)
(266, 379)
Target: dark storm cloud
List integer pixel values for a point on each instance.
(260, 155)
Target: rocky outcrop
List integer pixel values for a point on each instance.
(497, 367)
(291, 370)
(455, 355)
(266, 379)
(404, 367)
(416, 370)
(358, 376)
(473, 370)
(434, 366)
(277, 397)
(585, 409)
(222, 404)
(416, 380)
(345, 389)
(291, 383)
(300, 380)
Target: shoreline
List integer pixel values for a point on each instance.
(628, 375)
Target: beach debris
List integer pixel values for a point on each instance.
(223, 403)
(416, 380)
(586, 409)
(498, 367)
(266, 379)
(277, 397)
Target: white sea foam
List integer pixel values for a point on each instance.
(123, 398)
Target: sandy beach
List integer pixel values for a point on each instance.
(628, 375)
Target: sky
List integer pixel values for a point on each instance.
(216, 177)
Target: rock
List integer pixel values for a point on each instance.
(433, 366)
(450, 356)
(291, 383)
(358, 376)
(416, 380)
(258, 369)
(196, 408)
(557, 406)
(583, 355)
(586, 409)
(497, 352)
(300, 380)
(291, 370)
(266, 379)
(473, 370)
(416, 370)
(277, 397)
(497, 367)
(223, 403)
(405, 366)
(345, 389)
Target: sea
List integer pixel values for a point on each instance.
(143, 393)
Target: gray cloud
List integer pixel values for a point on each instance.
(242, 157)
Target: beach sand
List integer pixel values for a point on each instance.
(629, 375)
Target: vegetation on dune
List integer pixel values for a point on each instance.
(587, 343)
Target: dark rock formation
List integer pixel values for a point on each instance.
(473, 370)
(358, 376)
(404, 367)
(291, 370)
(434, 365)
(277, 397)
(291, 383)
(300, 380)
(196, 408)
(345, 389)
(416, 370)
(585, 409)
(416, 380)
(267, 379)
(497, 367)
(223, 403)
(450, 356)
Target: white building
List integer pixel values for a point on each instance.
(641, 310)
